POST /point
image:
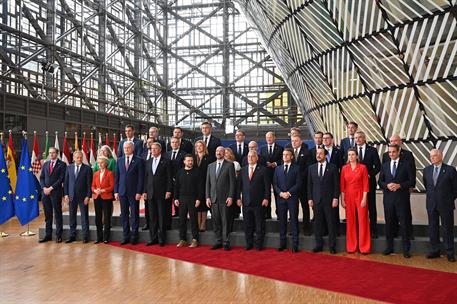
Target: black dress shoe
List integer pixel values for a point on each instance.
(105, 241)
(162, 244)
(145, 227)
(217, 246)
(295, 249)
(406, 255)
(317, 249)
(85, 241)
(44, 240)
(451, 258)
(388, 251)
(227, 247)
(259, 248)
(70, 240)
(97, 242)
(282, 248)
(249, 247)
(134, 242)
(59, 240)
(332, 250)
(433, 255)
(125, 242)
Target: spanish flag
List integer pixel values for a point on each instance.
(11, 163)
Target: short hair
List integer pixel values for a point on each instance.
(206, 123)
(240, 131)
(78, 152)
(173, 137)
(271, 132)
(178, 128)
(397, 147)
(319, 132)
(253, 152)
(322, 148)
(360, 133)
(157, 144)
(289, 150)
(55, 149)
(130, 126)
(352, 123)
(103, 158)
(129, 142)
(329, 134)
(188, 155)
(296, 130)
(153, 128)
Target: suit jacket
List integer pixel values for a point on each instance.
(291, 182)
(337, 158)
(138, 144)
(404, 155)
(162, 144)
(373, 164)
(345, 144)
(254, 191)
(442, 195)
(161, 182)
(129, 182)
(80, 187)
(238, 157)
(185, 146)
(219, 188)
(303, 161)
(178, 162)
(107, 184)
(404, 176)
(54, 180)
(261, 161)
(323, 190)
(212, 145)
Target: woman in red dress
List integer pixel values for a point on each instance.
(354, 190)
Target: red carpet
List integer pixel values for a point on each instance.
(374, 280)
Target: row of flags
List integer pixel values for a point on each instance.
(22, 201)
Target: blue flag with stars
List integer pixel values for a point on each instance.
(26, 196)
(6, 195)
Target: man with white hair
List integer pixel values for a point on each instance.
(440, 182)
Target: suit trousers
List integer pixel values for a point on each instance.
(306, 213)
(392, 211)
(187, 206)
(103, 213)
(130, 215)
(371, 200)
(158, 218)
(220, 214)
(52, 205)
(292, 207)
(84, 212)
(447, 221)
(324, 219)
(254, 219)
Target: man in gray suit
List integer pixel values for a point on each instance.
(220, 192)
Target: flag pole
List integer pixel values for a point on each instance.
(28, 232)
(2, 234)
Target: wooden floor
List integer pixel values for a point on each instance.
(87, 273)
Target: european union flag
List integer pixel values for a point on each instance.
(26, 196)
(6, 195)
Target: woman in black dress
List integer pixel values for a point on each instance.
(201, 162)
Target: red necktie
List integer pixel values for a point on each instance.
(251, 172)
(51, 167)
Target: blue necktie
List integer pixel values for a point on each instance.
(394, 169)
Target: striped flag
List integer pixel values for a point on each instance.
(114, 146)
(46, 147)
(6, 195)
(36, 164)
(11, 163)
(56, 145)
(93, 157)
(76, 146)
(85, 150)
(100, 143)
(66, 158)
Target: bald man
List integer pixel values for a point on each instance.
(440, 182)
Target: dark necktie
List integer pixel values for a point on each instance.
(239, 150)
(286, 169)
(321, 171)
(218, 169)
(351, 141)
(394, 169)
(360, 154)
(174, 155)
(77, 171)
(436, 173)
(271, 150)
(206, 140)
(127, 163)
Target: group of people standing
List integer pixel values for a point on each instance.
(187, 180)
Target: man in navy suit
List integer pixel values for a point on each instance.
(51, 181)
(370, 158)
(128, 189)
(157, 191)
(176, 158)
(395, 180)
(323, 194)
(78, 191)
(440, 182)
(272, 153)
(130, 136)
(287, 181)
(153, 133)
(349, 142)
(184, 144)
(211, 141)
(317, 143)
(253, 191)
(239, 148)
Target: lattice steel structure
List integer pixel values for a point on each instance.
(168, 62)
(389, 65)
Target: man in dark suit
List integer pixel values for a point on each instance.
(323, 194)
(147, 154)
(395, 180)
(157, 190)
(78, 191)
(220, 193)
(128, 189)
(370, 158)
(176, 158)
(253, 146)
(184, 144)
(302, 158)
(272, 153)
(130, 136)
(211, 141)
(407, 156)
(51, 181)
(239, 148)
(287, 181)
(334, 155)
(254, 192)
(349, 142)
(317, 143)
(154, 135)
(440, 182)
